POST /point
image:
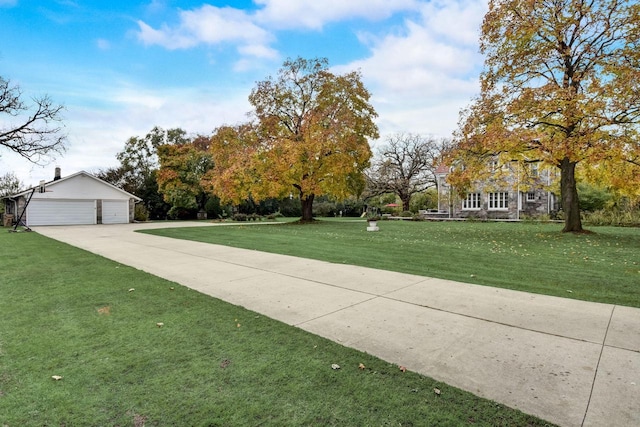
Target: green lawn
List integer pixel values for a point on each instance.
(70, 313)
(534, 257)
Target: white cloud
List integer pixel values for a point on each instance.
(315, 14)
(458, 21)
(251, 32)
(421, 78)
(208, 25)
(166, 37)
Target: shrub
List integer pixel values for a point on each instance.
(351, 207)
(325, 209)
(406, 214)
(140, 213)
(213, 208)
(627, 218)
(239, 217)
(177, 212)
(290, 207)
(593, 198)
(425, 200)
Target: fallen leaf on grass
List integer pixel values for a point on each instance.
(403, 369)
(335, 366)
(56, 377)
(105, 310)
(437, 391)
(225, 363)
(361, 366)
(131, 290)
(159, 324)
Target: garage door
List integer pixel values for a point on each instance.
(61, 212)
(115, 211)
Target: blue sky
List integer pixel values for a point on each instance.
(122, 67)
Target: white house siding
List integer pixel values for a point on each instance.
(115, 211)
(80, 186)
(77, 199)
(61, 212)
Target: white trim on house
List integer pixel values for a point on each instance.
(498, 201)
(473, 202)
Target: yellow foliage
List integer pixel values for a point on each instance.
(310, 137)
(560, 85)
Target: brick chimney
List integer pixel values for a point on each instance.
(57, 174)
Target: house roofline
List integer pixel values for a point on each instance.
(56, 181)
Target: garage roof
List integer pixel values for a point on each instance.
(58, 181)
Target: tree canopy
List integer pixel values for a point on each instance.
(139, 164)
(182, 167)
(31, 131)
(404, 165)
(309, 137)
(561, 84)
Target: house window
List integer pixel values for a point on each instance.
(499, 200)
(531, 196)
(472, 202)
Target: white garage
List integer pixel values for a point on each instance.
(79, 199)
(61, 212)
(115, 211)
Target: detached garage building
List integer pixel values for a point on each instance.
(78, 199)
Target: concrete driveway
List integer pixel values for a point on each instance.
(570, 362)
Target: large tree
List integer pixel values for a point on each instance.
(404, 165)
(33, 131)
(138, 169)
(182, 167)
(309, 138)
(561, 85)
(139, 158)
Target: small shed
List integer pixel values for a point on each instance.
(78, 199)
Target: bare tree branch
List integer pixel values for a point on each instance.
(405, 165)
(32, 131)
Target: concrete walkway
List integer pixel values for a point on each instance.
(570, 362)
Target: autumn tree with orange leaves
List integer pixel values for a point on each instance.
(561, 85)
(309, 138)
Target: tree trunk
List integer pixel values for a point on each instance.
(405, 202)
(569, 195)
(307, 207)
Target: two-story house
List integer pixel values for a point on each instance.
(515, 190)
